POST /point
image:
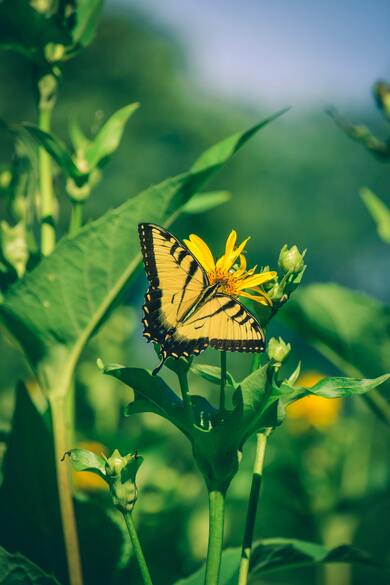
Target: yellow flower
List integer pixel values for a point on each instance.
(234, 280)
(313, 411)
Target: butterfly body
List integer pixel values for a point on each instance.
(183, 311)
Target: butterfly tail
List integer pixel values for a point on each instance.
(160, 365)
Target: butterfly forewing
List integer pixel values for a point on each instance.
(176, 281)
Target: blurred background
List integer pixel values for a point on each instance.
(201, 71)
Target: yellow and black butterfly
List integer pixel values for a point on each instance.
(183, 312)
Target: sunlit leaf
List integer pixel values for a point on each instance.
(108, 137)
(277, 554)
(84, 460)
(342, 387)
(202, 202)
(380, 213)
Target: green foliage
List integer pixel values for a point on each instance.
(212, 374)
(202, 202)
(281, 554)
(348, 327)
(15, 569)
(379, 212)
(46, 31)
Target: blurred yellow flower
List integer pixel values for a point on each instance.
(234, 280)
(313, 411)
(86, 481)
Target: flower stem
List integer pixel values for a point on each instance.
(252, 507)
(76, 218)
(143, 567)
(216, 523)
(223, 381)
(183, 380)
(60, 435)
(48, 233)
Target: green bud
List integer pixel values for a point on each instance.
(5, 179)
(54, 52)
(278, 349)
(382, 97)
(47, 91)
(291, 260)
(121, 475)
(14, 246)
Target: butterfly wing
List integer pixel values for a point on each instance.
(222, 322)
(176, 283)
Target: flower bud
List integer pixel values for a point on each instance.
(291, 260)
(278, 349)
(382, 97)
(116, 463)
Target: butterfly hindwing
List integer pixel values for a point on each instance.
(225, 324)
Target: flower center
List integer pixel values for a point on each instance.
(226, 281)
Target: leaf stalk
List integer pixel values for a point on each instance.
(143, 567)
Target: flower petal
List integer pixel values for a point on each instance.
(263, 299)
(256, 279)
(201, 251)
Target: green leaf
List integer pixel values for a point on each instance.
(159, 396)
(108, 137)
(56, 148)
(29, 489)
(276, 554)
(58, 306)
(341, 387)
(84, 460)
(86, 17)
(380, 213)
(202, 202)
(77, 136)
(212, 374)
(350, 328)
(229, 570)
(15, 569)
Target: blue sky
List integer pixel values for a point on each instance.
(297, 51)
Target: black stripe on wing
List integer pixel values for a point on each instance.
(241, 317)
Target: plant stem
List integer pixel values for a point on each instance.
(143, 567)
(60, 435)
(48, 234)
(76, 217)
(183, 380)
(216, 523)
(223, 382)
(252, 507)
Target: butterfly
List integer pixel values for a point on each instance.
(183, 312)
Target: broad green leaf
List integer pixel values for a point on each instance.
(15, 569)
(29, 489)
(212, 374)
(380, 213)
(202, 202)
(84, 460)
(56, 148)
(350, 328)
(58, 306)
(77, 136)
(341, 387)
(229, 570)
(277, 554)
(108, 137)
